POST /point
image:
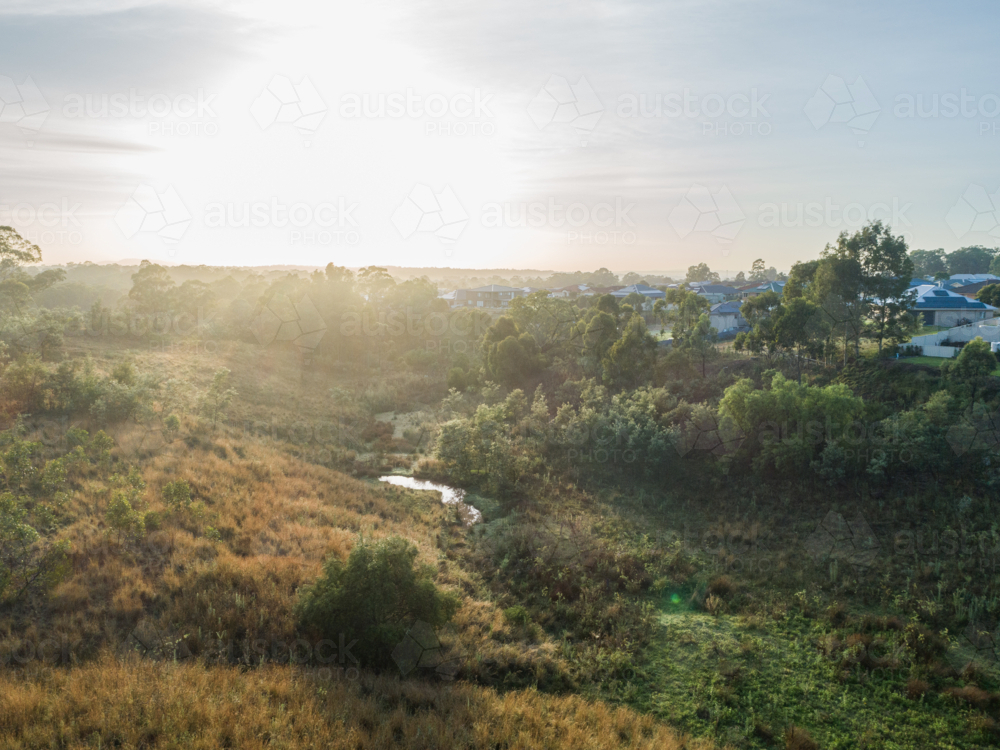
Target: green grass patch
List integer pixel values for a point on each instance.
(935, 362)
(744, 681)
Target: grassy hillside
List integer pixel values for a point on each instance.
(145, 632)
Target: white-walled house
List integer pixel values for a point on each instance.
(726, 315)
(943, 307)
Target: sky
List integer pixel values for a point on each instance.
(645, 136)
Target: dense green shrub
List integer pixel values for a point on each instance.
(594, 434)
(787, 426)
(373, 598)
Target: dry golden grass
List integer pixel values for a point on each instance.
(226, 572)
(262, 524)
(137, 703)
(277, 519)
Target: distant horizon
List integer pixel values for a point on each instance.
(134, 262)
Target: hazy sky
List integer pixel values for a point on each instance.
(551, 135)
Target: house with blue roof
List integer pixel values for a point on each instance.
(942, 307)
(778, 287)
(716, 293)
(725, 317)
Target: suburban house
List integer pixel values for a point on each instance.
(972, 278)
(598, 290)
(943, 307)
(768, 286)
(960, 280)
(951, 283)
(646, 291)
(716, 293)
(971, 290)
(726, 316)
(569, 292)
(492, 296)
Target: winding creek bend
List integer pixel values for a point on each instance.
(449, 495)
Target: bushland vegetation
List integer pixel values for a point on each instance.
(784, 541)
